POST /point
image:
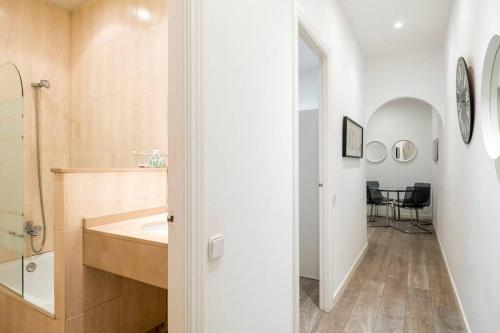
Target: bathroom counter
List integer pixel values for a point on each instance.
(133, 245)
(148, 230)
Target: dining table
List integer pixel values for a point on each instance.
(395, 191)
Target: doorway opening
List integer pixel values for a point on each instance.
(312, 257)
(309, 180)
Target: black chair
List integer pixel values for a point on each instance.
(427, 185)
(374, 198)
(375, 185)
(427, 203)
(416, 198)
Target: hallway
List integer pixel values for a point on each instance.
(401, 284)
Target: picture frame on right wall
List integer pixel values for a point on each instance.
(352, 139)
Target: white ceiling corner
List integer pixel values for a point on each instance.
(372, 21)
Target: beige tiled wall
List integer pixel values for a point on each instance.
(118, 81)
(92, 300)
(108, 98)
(34, 35)
(113, 69)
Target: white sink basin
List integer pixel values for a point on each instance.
(160, 227)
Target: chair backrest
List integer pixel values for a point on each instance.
(428, 195)
(408, 199)
(369, 197)
(373, 184)
(422, 196)
(373, 196)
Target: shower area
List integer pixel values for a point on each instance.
(34, 138)
(83, 85)
(26, 264)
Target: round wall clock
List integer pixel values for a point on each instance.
(465, 106)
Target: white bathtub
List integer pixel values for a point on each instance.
(38, 285)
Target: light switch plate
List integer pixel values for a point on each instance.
(216, 247)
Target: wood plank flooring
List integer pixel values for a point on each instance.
(400, 285)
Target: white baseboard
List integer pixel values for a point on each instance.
(345, 281)
(457, 296)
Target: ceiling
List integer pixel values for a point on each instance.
(68, 4)
(307, 58)
(372, 21)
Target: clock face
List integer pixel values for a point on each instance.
(464, 101)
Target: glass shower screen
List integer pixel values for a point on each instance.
(11, 178)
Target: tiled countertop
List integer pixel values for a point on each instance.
(122, 244)
(133, 229)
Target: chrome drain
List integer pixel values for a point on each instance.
(31, 267)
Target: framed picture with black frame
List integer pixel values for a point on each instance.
(352, 139)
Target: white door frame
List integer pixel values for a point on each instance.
(305, 31)
(187, 234)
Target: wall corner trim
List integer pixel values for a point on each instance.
(455, 290)
(338, 292)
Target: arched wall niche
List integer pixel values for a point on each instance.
(380, 105)
(410, 119)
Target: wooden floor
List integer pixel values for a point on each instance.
(400, 285)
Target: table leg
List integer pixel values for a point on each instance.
(387, 209)
(399, 208)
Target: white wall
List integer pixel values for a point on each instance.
(308, 88)
(437, 130)
(347, 218)
(309, 193)
(469, 227)
(403, 119)
(308, 77)
(418, 74)
(248, 49)
(247, 163)
(308, 162)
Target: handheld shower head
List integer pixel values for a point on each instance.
(41, 84)
(31, 229)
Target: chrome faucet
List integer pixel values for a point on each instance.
(32, 229)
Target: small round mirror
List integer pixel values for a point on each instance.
(375, 152)
(404, 151)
